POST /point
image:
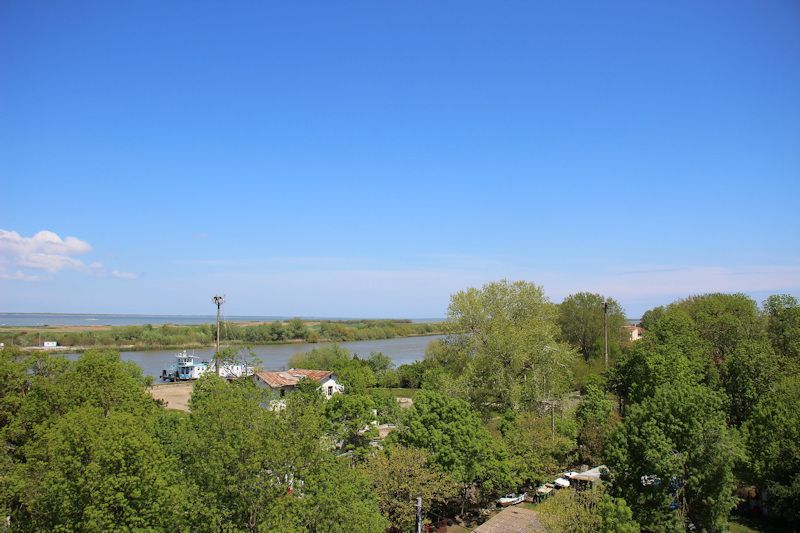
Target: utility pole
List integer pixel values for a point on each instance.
(419, 515)
(218, 301)
(605, 327)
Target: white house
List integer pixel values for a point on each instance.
(287, 380)
(635, 332)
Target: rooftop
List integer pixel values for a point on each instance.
(290, 378)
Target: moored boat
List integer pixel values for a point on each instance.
(188, 367)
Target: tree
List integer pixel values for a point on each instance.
(96, 471)
(783, 325)
(723, 320)
(675, 451)
(589, 511)
(582, 322)
(54, 386)
(595, 416)
(773, 440)
(399, 475)
(672, 352)
(508, 333)
(323, 358)
(651, 316)
(355, 375)
(379, 363)
(351, 417)
(336, 499)
(539, 446)
(227, 447)
(457, 441)
(276, 331)
(296, 328)
(748, 374)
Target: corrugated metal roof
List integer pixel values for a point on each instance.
(290, 378)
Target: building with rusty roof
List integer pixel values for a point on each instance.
(286, 380)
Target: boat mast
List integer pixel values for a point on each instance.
(218, 300)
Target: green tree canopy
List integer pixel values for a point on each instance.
(773, 441)
(399, 475)
(674, 449)
(723, 320)
(296, 329)
(457, 441)
(589, 511)
(595, 417)
(510, 338)
(97, 471)
(582, 322)
(783, 325)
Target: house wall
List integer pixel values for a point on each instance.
(330, 382)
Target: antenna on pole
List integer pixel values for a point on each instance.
(218, 301)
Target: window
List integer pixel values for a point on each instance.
(330, 390)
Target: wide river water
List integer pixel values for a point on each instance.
(402, 350)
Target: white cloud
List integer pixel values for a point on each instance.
(18, 275)
(47, 252)
(123, 275)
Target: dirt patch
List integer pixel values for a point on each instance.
(174, 395)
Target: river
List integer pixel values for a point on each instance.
(402, 350)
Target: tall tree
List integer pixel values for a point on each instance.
(748, 374)
(508, 332)
(588, 511)
(399, 475)
(723, 320)
(783, 325)
(96, 471)
(596, 417)
(674, 451)
(458, 442)
(581, 318)
(773, 441)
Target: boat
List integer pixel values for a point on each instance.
(189, 367)
(511, 499)
(186, 367)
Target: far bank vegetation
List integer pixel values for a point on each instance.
(189, 336)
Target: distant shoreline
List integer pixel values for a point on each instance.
(137, 348)
(38, 320)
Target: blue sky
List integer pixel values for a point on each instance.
(371, 158)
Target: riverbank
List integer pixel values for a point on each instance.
(77, 338)
(173, 395)
(243, 345)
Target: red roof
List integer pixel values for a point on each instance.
(289, 378)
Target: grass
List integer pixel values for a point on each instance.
(400, 392)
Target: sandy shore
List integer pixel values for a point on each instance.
(175, 395)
